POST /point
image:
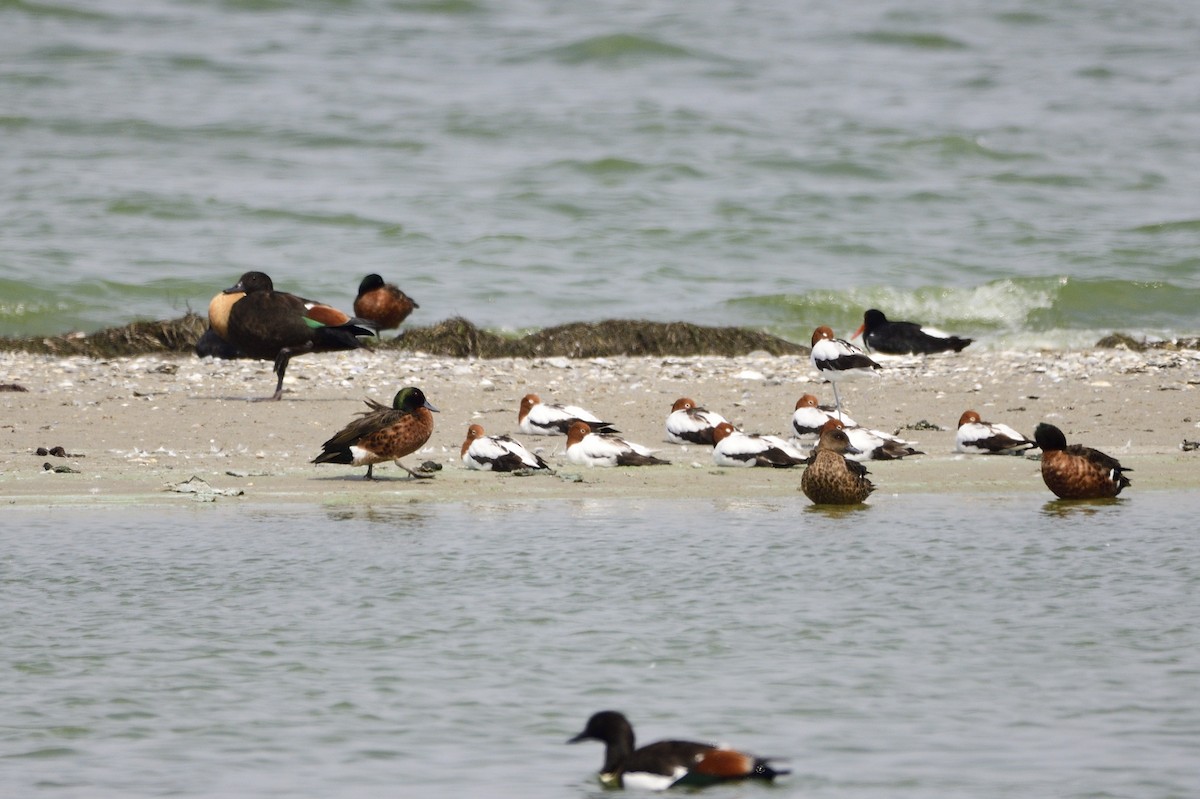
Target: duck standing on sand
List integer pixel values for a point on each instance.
(1076, 471)
(215, 340)
(836, 359)
(977, 437)
(832, 479)
(687, 424)
(497, 453)
(382, 303)
(274, 325)
(383, 434)
(588, 448)
(735, 448)
(666, 764)
(904, 338)
(537, 418)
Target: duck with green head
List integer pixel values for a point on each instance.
(383, 434)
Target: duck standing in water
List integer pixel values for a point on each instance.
(274, 325)
(1076, 471)
(383, 434)
(830, 477)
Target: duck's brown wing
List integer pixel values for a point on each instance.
(855, 468)
(369, 423)
(1101, 463)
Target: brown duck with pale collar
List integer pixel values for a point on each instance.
(274, 325)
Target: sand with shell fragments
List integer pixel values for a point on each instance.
(131, 430)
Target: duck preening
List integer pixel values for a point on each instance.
(274, 325)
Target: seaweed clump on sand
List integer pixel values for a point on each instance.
(459, 338)
(453, 338)
(136, 338)
(1117, 341)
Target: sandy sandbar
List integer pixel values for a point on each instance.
(133, 427)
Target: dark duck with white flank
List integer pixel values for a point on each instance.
(382, 303)
(274, 325)
(383, 433)
(667, 764)
(903, 338)
(1076, 471)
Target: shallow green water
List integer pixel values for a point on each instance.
(523, 164)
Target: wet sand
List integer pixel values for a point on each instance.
(133, 427)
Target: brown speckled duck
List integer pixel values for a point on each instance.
(1076, 471)
(383, 433)
(830, 478)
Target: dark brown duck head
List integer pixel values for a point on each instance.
(251, 282)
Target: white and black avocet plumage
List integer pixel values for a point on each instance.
(689, 424)
(978, 437)
(497, 453)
